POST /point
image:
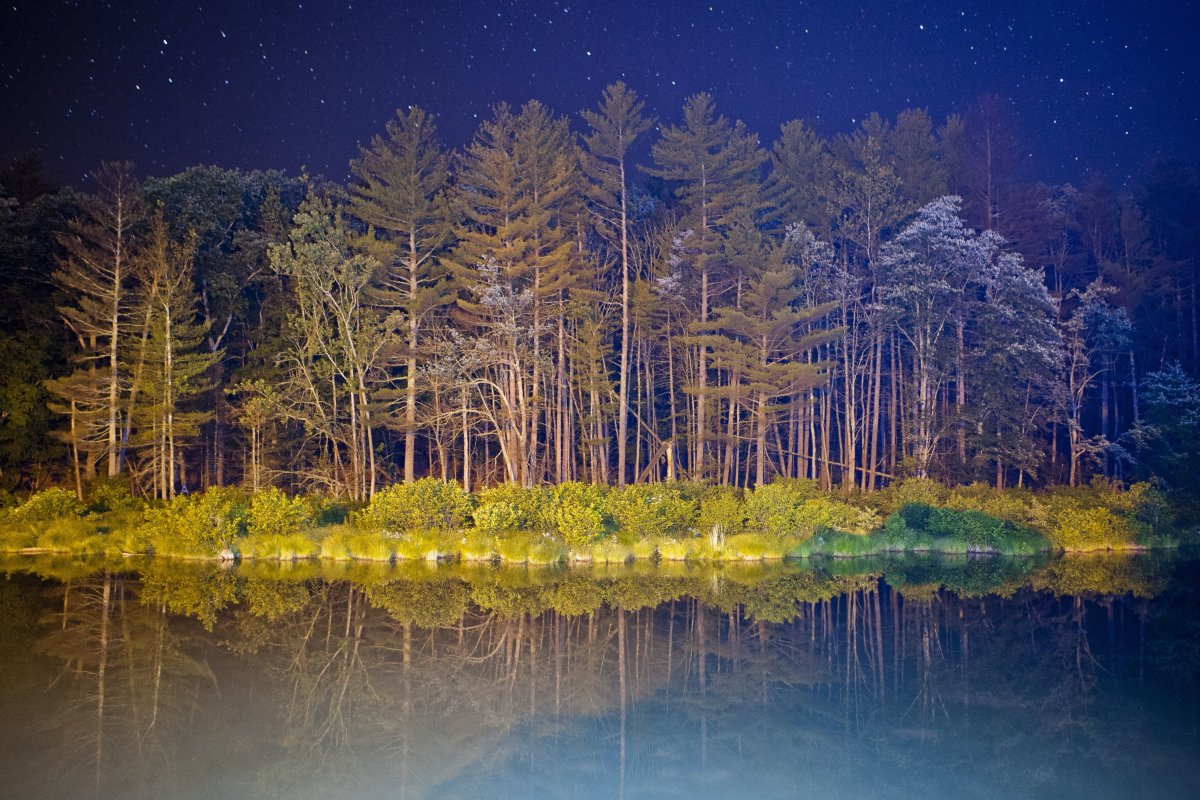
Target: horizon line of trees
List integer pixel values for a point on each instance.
(539, 308)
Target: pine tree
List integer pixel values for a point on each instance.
(177, 363)
(96, 275)
(517, 260)
(713, 165)
(616, 125)
(402, 195)
(762, 339)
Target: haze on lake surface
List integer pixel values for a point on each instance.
(895, 678)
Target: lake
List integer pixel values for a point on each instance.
(902, 677)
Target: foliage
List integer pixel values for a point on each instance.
(510, 507)
(645, 510)
(111, 494)
(426, 504)
(579, 513)
(273, 513)
(47, 505)
(199, 525)
(795, 507)
(722, 510)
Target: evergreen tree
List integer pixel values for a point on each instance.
(714, 166)
(177, 363)
(615, 126)
(96, 276)
(402, 194)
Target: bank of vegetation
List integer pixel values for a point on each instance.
(578, 523)
(617, 300)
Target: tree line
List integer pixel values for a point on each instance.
(549, 304)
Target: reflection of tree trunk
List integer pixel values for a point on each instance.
(622, 689)
(101, 676)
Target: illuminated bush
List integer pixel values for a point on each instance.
(426, 504)
(647, 510)
(722, 511)
(579, 513)
(204, 525)
(509, 507)
(49, 504)
(1079, 528)
(273, 513)
(791, 507)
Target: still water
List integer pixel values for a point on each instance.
(911, 677)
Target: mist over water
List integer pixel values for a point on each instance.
(901, 677)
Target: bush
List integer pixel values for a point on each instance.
(909, 491)
(1079, 528)
(948, 530)
(647, 509)
(772, 508)
(204, 524)
(49, 504)
(426, 504)
(509, 507)
(722, 511)
(579, 513)
(273, 513)
(795, 507)
(112, 494)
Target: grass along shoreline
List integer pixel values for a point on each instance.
(585, 524)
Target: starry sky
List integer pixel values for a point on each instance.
(1096, 85)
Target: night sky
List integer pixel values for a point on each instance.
(1096, 85)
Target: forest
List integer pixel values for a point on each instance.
(605, 298)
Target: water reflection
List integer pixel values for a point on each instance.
(974, 677)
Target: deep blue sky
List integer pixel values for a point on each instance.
(1096, 85)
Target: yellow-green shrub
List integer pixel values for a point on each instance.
(579, 513)
(425, 504)
(49, 504)
(509, 507)
(273, 513)
(796, 508)
(721, 510)
(1079, 528)
(650, 509)
(204, 524)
